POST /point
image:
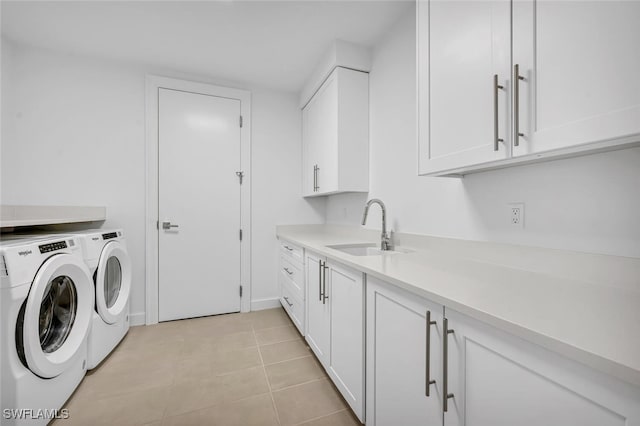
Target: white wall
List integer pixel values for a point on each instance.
(73, 134)
(587, 204)
(275, 186)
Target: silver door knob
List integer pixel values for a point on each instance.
(168, 225)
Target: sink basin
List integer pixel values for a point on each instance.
(366, 249)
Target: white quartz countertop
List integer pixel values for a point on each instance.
(14, 216)
(595, 323)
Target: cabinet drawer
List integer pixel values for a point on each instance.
(294, 273)
(292, 287)
(294, 307)
(293, 251)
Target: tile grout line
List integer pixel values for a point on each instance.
(264, 370)
(290, 359)
(303, 383)
(321, 417)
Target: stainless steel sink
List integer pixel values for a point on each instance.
(366, 249)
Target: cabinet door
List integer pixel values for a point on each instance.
(326, 108)
(500, 380)
(309, 156)
(318, 308)
(397, 358)
(320, 138)
(580, 62)
(346, 294)
(461, 46)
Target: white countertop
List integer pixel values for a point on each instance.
(547, 298)
(14, 216)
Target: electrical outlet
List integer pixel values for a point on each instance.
(516, 215)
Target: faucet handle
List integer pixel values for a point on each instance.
(385, 243)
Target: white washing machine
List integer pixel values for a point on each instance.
(46, 302)
(105, 254)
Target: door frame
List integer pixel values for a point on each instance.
(153, 83)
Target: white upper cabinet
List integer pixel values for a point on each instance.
(462, 47)
(335, 135)
(577, 89)
(580, 62)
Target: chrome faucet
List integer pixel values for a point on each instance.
(385, 240)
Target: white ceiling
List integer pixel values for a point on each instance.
(271, 44)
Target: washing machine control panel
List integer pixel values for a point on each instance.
(59, 245)
(109, 236)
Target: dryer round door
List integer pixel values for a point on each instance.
(57, 315)
(113, 282)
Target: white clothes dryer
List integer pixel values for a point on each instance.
(105, 254)
(46, 300)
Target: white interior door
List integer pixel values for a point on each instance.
(199, 196)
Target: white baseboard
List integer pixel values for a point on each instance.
(260, 304)
(137, 319)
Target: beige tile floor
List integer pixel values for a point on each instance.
(236, 369)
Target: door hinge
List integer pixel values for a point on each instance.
(240, 291)
(240, 175)
(240, 121)
(241, 235)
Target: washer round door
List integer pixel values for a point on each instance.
(57, 315)
(113, 281)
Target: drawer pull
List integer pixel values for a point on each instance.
(286, 299)
(288, 271)
(288, 248)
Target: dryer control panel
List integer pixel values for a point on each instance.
(58, 245)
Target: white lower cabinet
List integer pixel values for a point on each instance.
(492, 378)
(291, 280)
(346, 366)
(497, 379)
(292, 304)
(403, 356)
(318, 310)
(335, 325)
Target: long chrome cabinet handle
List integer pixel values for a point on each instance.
(496, 136)
(428, 380)
(286, 299)
(288, 248)
(317, 178)
(445, 365)
(516, 104)
(287, 271)
(324, 283)
(320, 280)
